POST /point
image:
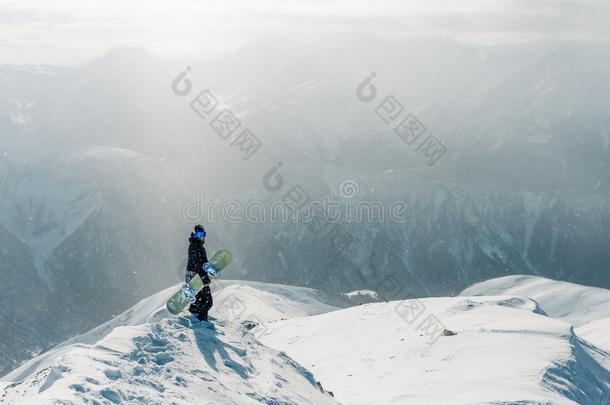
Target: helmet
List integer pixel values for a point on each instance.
(199, 231)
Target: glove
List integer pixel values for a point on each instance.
(188, 294)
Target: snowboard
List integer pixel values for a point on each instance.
(186, 294)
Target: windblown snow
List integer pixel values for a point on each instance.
(276, 344)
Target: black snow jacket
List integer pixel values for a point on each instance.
(197, 257)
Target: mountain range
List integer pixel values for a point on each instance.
(99, 162)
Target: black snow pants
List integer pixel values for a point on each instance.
(202, 304)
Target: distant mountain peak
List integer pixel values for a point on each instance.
(124, 53)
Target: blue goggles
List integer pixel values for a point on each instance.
(200, 234)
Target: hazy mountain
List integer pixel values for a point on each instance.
(87, 230)
(98, 161)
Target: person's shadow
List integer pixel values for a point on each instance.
(209, 341)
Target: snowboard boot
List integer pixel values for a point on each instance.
(203, 316)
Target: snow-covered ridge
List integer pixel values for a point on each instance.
(585, 308)
(573, 303)
(234, 301)
(496, 349)
(146, 355)
(171, 361)
(505, 350)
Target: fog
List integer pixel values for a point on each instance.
(67, 32)
(409, 149)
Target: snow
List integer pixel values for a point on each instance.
(573, 303)
(505, 351)
(272, 343)
(265, 303)
(370, 293)
(171, 361)
(146, 355)
(597, 333)
(587, 309)
(230, 297)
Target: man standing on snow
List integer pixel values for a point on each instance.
(197, 258)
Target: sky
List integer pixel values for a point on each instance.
(68, 32)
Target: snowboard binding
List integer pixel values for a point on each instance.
(188, 293)
(211, 270)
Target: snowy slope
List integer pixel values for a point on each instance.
(505, 351)
(586, 308)
(148, 310)
(146, 355)
(234, 301)
(573, 303)
(597, 333)
(264, 302)
(171, 361)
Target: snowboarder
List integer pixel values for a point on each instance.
(197, 257)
